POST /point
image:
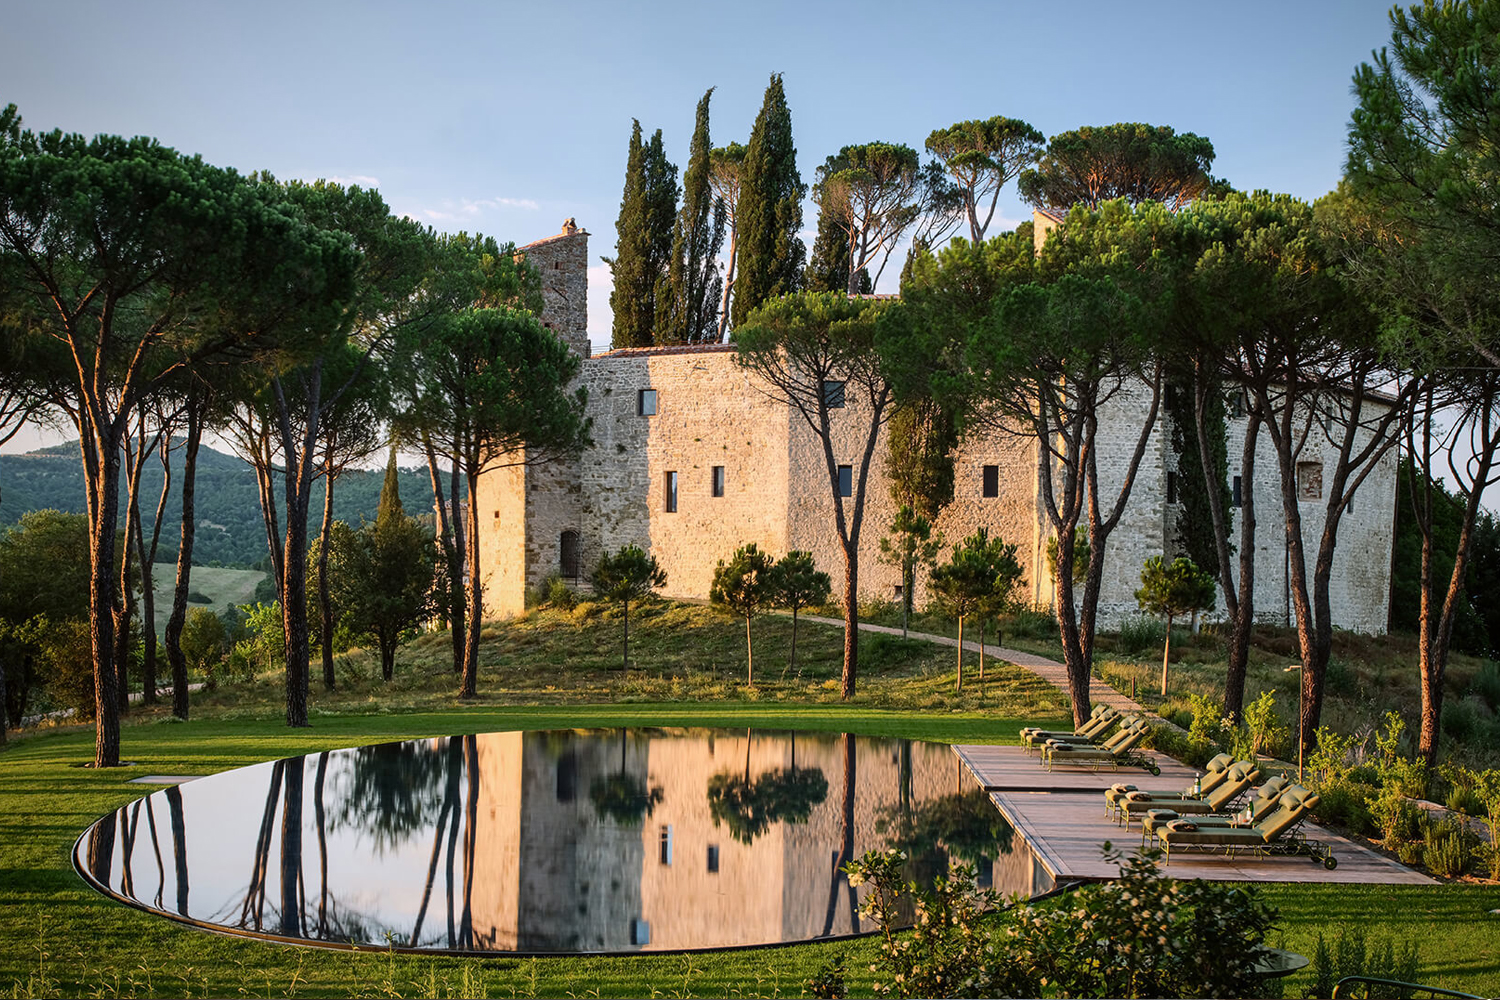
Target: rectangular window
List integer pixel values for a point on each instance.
(718, 481)
(1236, 496)
(899, 592)
(846, 480)
(666, 843)
(1171, 487)
(713, 857)
(669, 488)
(833, 394)
(567, 778)
(640, 932)
(645, 403)
(991, 480)
(1309, 480)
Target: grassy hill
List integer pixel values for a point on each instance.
(230, 530)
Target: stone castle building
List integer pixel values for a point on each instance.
(692, 459)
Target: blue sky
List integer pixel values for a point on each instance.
(508, 118)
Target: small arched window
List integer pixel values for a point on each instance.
(568, 550)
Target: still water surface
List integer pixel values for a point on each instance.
(569, 841)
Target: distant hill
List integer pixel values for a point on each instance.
(230, 529)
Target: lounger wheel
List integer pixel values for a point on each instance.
(1330, 862)
(1155, 771)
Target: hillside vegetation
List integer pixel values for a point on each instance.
(230, 530)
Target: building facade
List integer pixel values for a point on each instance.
(692, 458)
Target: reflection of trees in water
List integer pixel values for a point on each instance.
(624, 797)
(963, 826)
(845, 853)
(749, 806)
(390, 791)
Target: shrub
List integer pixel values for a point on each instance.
(1141, 935)
(1464, 800)
(1349, 956)
(1343, 803)
(830, 982)
(560, 595)
(1333, 758)
(1268, 733)
(1139, 633)
(69, 655)
(1409, 852)
(1449, 847)
(1396, 816)
(1034, 622)
(584, 610)
(1487, 684)
(195, 597)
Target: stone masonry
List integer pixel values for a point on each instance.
(674, 415)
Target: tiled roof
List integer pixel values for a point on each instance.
(646, 352)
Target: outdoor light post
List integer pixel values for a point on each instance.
(1300, 698)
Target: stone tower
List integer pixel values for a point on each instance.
(563, 261)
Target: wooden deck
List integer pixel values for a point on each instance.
(1060, 814)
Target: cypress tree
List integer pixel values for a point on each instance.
(390, 493)
(687, 299)
(771, 254)
(643, 239)
(632, 328)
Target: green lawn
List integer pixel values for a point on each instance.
(60, 938)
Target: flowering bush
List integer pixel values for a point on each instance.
(1141, 935)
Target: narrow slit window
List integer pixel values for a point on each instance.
(991, 486)
(645, 403)
(670, 490)
(833, 394)
(846, 480)
(1171, 487)
(718, 481)
(666, 844)
(1237, 497)
(713, 857)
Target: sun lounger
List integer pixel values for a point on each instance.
(1212, 776)
(1118, 750)
(1099, 722)
(1240, 776)
(1276, 833)
(1264, 799)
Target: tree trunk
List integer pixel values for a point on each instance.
(1166, 656)
(297, 449)
(101, 462)
(960, 687)
(448, 536)
(625, 656)
(148, 575)
(470, 686)
(388, 655)
(4, 707)
(749, 656)
(124, 605)
(851, 620)
(178, 617)
(793, 663)
(460, 566)
(981, 650)
(728, 279)
(325, 602)
(291, 851)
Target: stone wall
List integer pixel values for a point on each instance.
(777, 492)
(563, 263)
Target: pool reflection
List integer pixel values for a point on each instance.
(566, 841)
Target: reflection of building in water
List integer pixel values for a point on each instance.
(548, 875)
(609, 842)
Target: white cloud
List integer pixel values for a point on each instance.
(356, 180)
(468, 209)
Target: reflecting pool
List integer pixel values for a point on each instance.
(569, 841)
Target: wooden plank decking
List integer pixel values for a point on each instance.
(1061, 815)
